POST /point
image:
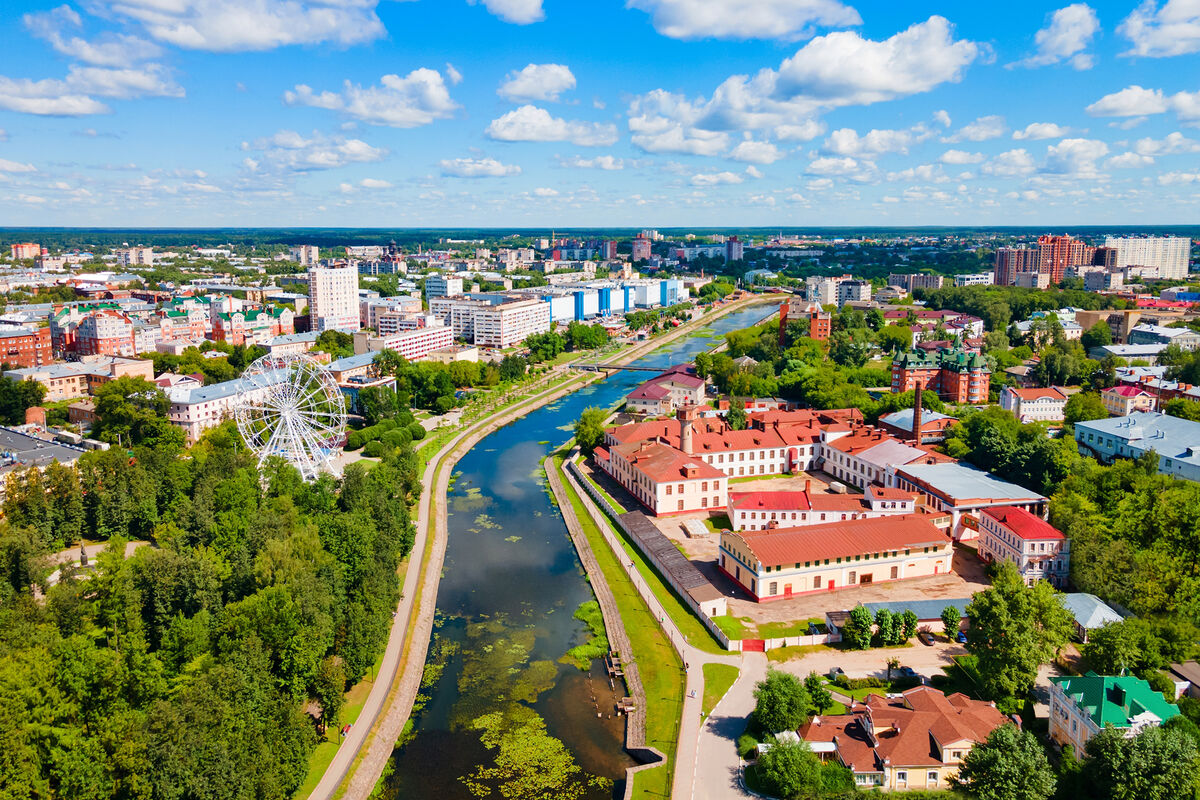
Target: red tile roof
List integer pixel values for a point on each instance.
(841, 539)
(1128, 391)
(1023, 524)
(662, 463)
(795, 501)
(1036, 394)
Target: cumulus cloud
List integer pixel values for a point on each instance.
(1172, 144)
(1041, 130)
(745, 19)
(1129, 160)
(112, 50)
(533, 124)
(1178, 178)
(716, 178)
(478, 168)
(982, 129)
(803, 131)
(374, 183)
(15, 166)
(291, 152)
(847, 142)
(1137, 101)
(75, 95)
(417, 99)
(537, 82)
(609, 163)
(752, 152)
(1067, 34)
(240, 25)
(518, 12)
(1172, 30)
(926, 173)
(1010, 164)
(1075, 158)
(960, 157)
(832, 71)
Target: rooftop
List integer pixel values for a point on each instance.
(962, 482)
(903, 419)
(841, 539)
(1025, 525)
(1089, 611)
(1116, 700)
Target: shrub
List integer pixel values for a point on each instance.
(416, 431)
(746, 745)
(373, 449)
(354, 440)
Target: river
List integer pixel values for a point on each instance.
(499, 714)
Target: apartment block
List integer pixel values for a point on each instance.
(414, 345)
(306, 255)
(442, 286)
(1167, 255)
(25, 347)
(333, 298)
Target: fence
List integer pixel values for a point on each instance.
(580, 480)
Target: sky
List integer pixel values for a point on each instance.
(578, 113)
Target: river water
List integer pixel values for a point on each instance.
(499, 715)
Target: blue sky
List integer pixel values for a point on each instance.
(598, 112)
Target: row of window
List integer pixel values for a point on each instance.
(846, 559)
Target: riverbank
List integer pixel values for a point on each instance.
(361, 759)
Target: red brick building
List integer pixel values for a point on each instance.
(956, 375)
(102, 329)
(25, 347)
(1056, 253)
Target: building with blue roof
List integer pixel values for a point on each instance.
(1175, 440)
(933, 425)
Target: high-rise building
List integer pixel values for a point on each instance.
(26, 250)
(1013, 260)
(734, 249)
(915, 280)
(442, 286)
(641, 248)
(1168, 254)
(333, 298)
(135, 256)
(306, 255)
(1056, 253)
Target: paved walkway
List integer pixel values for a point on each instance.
(718, 766)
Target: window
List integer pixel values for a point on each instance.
(852, 577)
(681, 488)
(716, 485)
(931, 777)
(704, 502)
(816, 581)
(774, 588)
(704, 486)
(895, 573)
(668, 488)
(681, 505)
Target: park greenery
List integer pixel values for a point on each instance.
(187, 668)
(885, 629)
(1010, 765)
(216, 362)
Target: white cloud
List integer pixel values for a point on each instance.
(832, 71)
(31, 199)
(537, 82)
(832, 166)
(1178, 178)
(1173, 144)
(15, 166)
(960, 157)
(716, 178)
(847, 142)
(1172, 30)
(745, 19)
(478, 168)
(533, 124)
(108, 51)
(453, 75)
(1075, 157)
(518, 12)
(926, 173)
(1010, 164)
(1129, 160)
(804, 131)
(73, 96)
(942, 117)
(982, 129)
(1065, 37)
(417, 99)
(238, 25)
(750, 151)
(545, 191)
(1137, 101)
(291, 152)
(608, 163)
(374, 183)
(1041, 130)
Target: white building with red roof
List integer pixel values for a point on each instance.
(862, 457)
(1039, 550)
(758, 511)
(663, 394)
(782, 562)
(663, 479)
(1123, 399)
(1034, 405)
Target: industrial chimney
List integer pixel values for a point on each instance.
(686, 415)
(918, 401)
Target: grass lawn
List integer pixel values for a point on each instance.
(780, 654)
(717, 680)
(620, 509)
(659, 665)
(858, 694)
(777, 630)
(720, 522)
(735, 627)
(748, 478)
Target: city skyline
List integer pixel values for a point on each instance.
(524, 113)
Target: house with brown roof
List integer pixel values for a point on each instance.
(757, 511)
(663, 394)
(1034, 405)
(915, 740)
(662, 478)
(780, 562)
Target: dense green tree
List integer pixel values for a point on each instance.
(858, 628)
(791, 770)
(1099, 335)
(736, 417)
(16, 397)
(133, 411)
(1010, 765)
(377, 403)
(850, 348)
(817, 693)
(1082, 407)
(1157, 764)
(781, 702)
(1014, 629)
(589, 429)
(1183, 408)
(951, 620)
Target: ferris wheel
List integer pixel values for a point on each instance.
(290, 406)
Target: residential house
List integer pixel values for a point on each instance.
(665, 393)
(1123, 400)
(915, 740)
(1090, 613)
(663, 479)
(1037, 548)
(1034, 405)
(1083, 705)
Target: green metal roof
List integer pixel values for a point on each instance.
(1115, 700)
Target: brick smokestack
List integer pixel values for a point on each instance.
(685, 415)
(918, 402)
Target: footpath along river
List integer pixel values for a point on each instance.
(499, 714)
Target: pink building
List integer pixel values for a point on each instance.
(1039, 550)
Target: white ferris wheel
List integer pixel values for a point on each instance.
(290, 406)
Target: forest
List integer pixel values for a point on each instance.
(204, 664)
